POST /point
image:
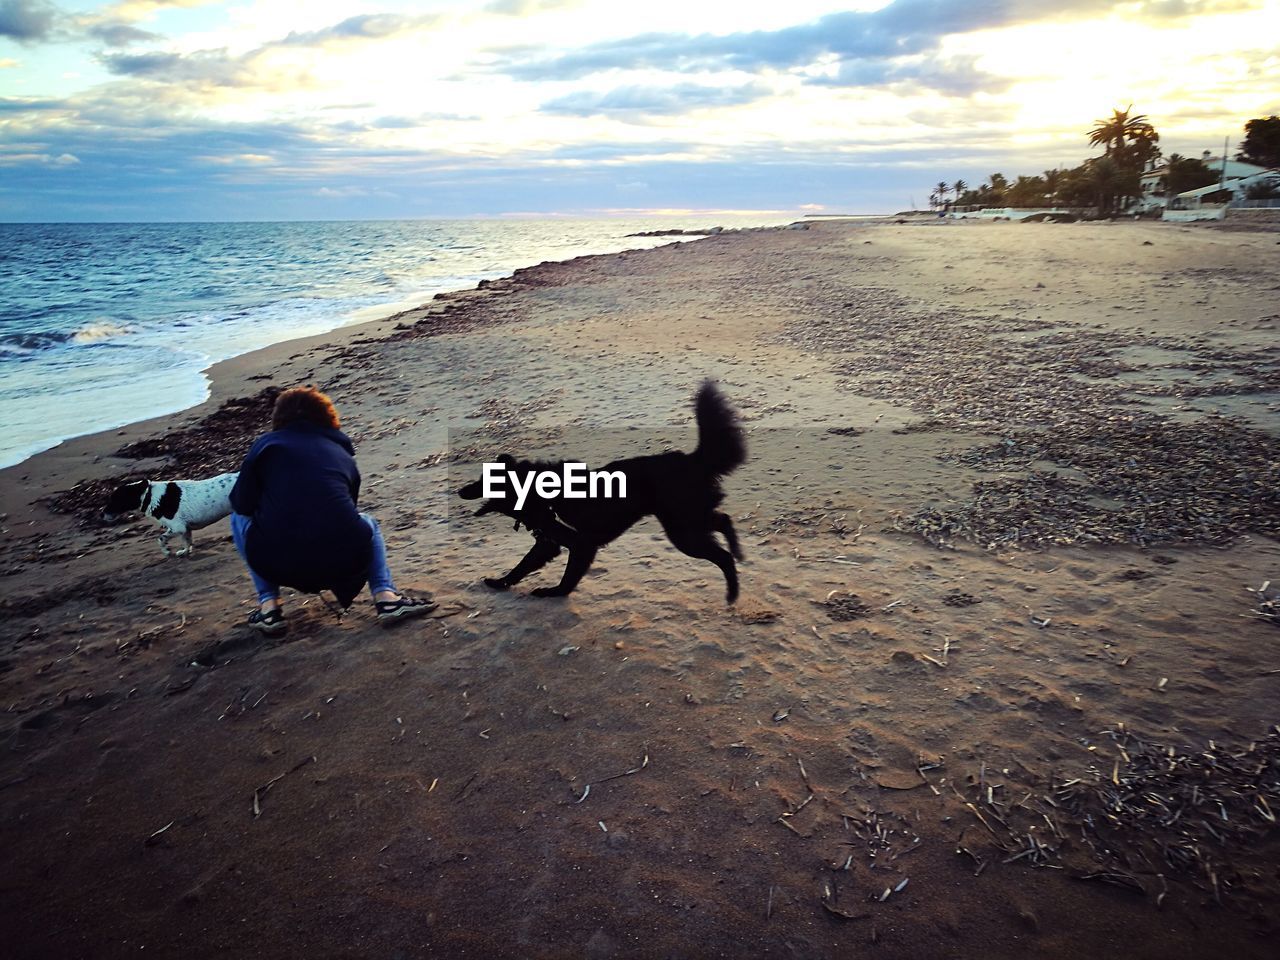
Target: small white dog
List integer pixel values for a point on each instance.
(179, 506)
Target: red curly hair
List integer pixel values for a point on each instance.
(304, 404)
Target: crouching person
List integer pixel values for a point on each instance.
(296, 523)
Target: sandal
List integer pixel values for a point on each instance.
(389, 610)
(271, 623)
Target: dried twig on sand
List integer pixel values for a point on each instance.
(262, 790)
(625, 773)
(155, 837)
(1147, 815)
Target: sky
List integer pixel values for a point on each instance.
(344, 109)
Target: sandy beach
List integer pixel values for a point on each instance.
(1000, 682)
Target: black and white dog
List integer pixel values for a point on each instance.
(179, 506)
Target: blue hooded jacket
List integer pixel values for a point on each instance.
(300, 485)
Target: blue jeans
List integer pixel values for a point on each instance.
(379, 575)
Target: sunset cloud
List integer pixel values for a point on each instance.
(262, 108)
(650, 101)
(362, 28)
(902, 28)
(120, 34)
(137, 9)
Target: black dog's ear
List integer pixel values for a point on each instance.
(475, 489)
(126, 498)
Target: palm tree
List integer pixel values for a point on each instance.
(1128, 139)
(1027, 192)
(1106, 177)
(997, 185)
(959, 187)
(943, 190)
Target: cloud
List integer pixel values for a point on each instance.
(394, 122)
(137, 9)
(527, 8)
(168, 171)
(349, 192)
(34, 21)
(903, 28)
(143, 145)
(952, 77)
(202, 69)
(119, 34)
(142, 159)
(239, 159)
(421, 120)
(376, 26)
(1178, 9)
(41, 159)
(26, 21)
(611, 152)
(20, 105)
(637, 101)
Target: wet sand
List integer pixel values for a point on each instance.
(1010, 487)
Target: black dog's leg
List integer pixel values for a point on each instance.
(580, 559)
(540, 554)
(721, 523)
(702, 547)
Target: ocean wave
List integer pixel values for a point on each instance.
(99, 330)
(29, 342)
(35, 340)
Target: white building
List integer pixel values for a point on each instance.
(1153, 180)
(1238, 188)
(1192, 205)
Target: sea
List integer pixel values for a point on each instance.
(105, 324)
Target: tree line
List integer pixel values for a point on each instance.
(1112, 181)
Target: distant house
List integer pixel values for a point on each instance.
(1232, 190)
(1154, 181)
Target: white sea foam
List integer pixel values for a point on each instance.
(38, 421)
(98, 330)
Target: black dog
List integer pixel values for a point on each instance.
(681, 489)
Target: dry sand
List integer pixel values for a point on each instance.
(890, 701)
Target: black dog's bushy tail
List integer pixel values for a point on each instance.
(722, 448)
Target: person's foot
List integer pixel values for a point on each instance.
(269, 622)
(402, 608)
